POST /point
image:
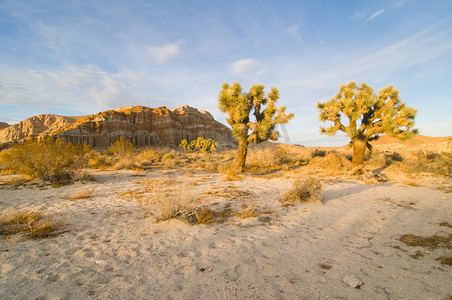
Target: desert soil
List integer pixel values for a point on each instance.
(111, 248)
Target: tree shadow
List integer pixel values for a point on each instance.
(350, 190)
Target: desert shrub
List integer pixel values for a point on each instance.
(385, 158)
(204, 215)
(267, 159)
(47, 159)
(167, 156)
(122, 147)
(226, 167)
(81, 194)
(172, 199)
(30, 223)
(249, 210)
(307, 189)
(430, 162)
(172, 160)
(393, 157)
(318, 153)
(147, 157)
(332, 163)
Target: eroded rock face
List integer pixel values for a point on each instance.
(143, 126)
(33, 127)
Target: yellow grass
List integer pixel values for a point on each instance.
(81, 194)
(30, 223)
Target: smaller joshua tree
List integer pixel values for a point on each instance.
(369, 116)
(240, 106)
(204, 145)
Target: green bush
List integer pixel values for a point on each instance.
(47, 159)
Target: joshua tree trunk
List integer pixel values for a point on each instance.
(241, 154)
(359, 149)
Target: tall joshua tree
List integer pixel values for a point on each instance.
(369, 116)
(241, 107)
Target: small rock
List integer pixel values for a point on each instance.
(387, 198)
(444, 198)
(352, 281)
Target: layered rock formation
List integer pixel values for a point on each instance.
(33, 127)
(143, 126)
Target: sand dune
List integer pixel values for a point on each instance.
(111, 248)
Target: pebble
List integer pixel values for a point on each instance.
(444, 198)
(352, 281)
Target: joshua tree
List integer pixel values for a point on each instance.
(369, 116)
(183, 145)
(239, 107)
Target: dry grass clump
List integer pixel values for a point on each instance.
(446, 260)
(173, 199)
(269, 158)
(17, 181)
(445, 224)
(47, 159)
(147, 157)
(413, 163)
(431, 242)
(30, 223)
(430, 162)
(81, 194)
(307, 190)
(332, 163)
(249, 210)
(204, 215)
(229, 192)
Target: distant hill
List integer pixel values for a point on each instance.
(417, 140)
(3, 125)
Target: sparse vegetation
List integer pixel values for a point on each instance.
(270, 158)
(431, 242)
(172, 199)
(377, 115)
(307, 190)
(249, 210)
(81, 194)
(47, 159)
(203, 145)
(333, 163)
(30, 223)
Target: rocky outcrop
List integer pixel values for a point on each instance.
(41, 125)
(143, 126)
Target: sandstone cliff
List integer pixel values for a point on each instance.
(143, 126)
(33, 127)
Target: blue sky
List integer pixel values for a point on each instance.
(82, 57)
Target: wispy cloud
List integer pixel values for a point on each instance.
(162, 54)
(294, 31)
(414, 50)
(376, 14)
(73, 87)
(247, 68)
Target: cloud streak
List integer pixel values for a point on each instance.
(247, 68)
(376, 14)
(162, 54)
(72, 86)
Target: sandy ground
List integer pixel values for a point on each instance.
(111, 248)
